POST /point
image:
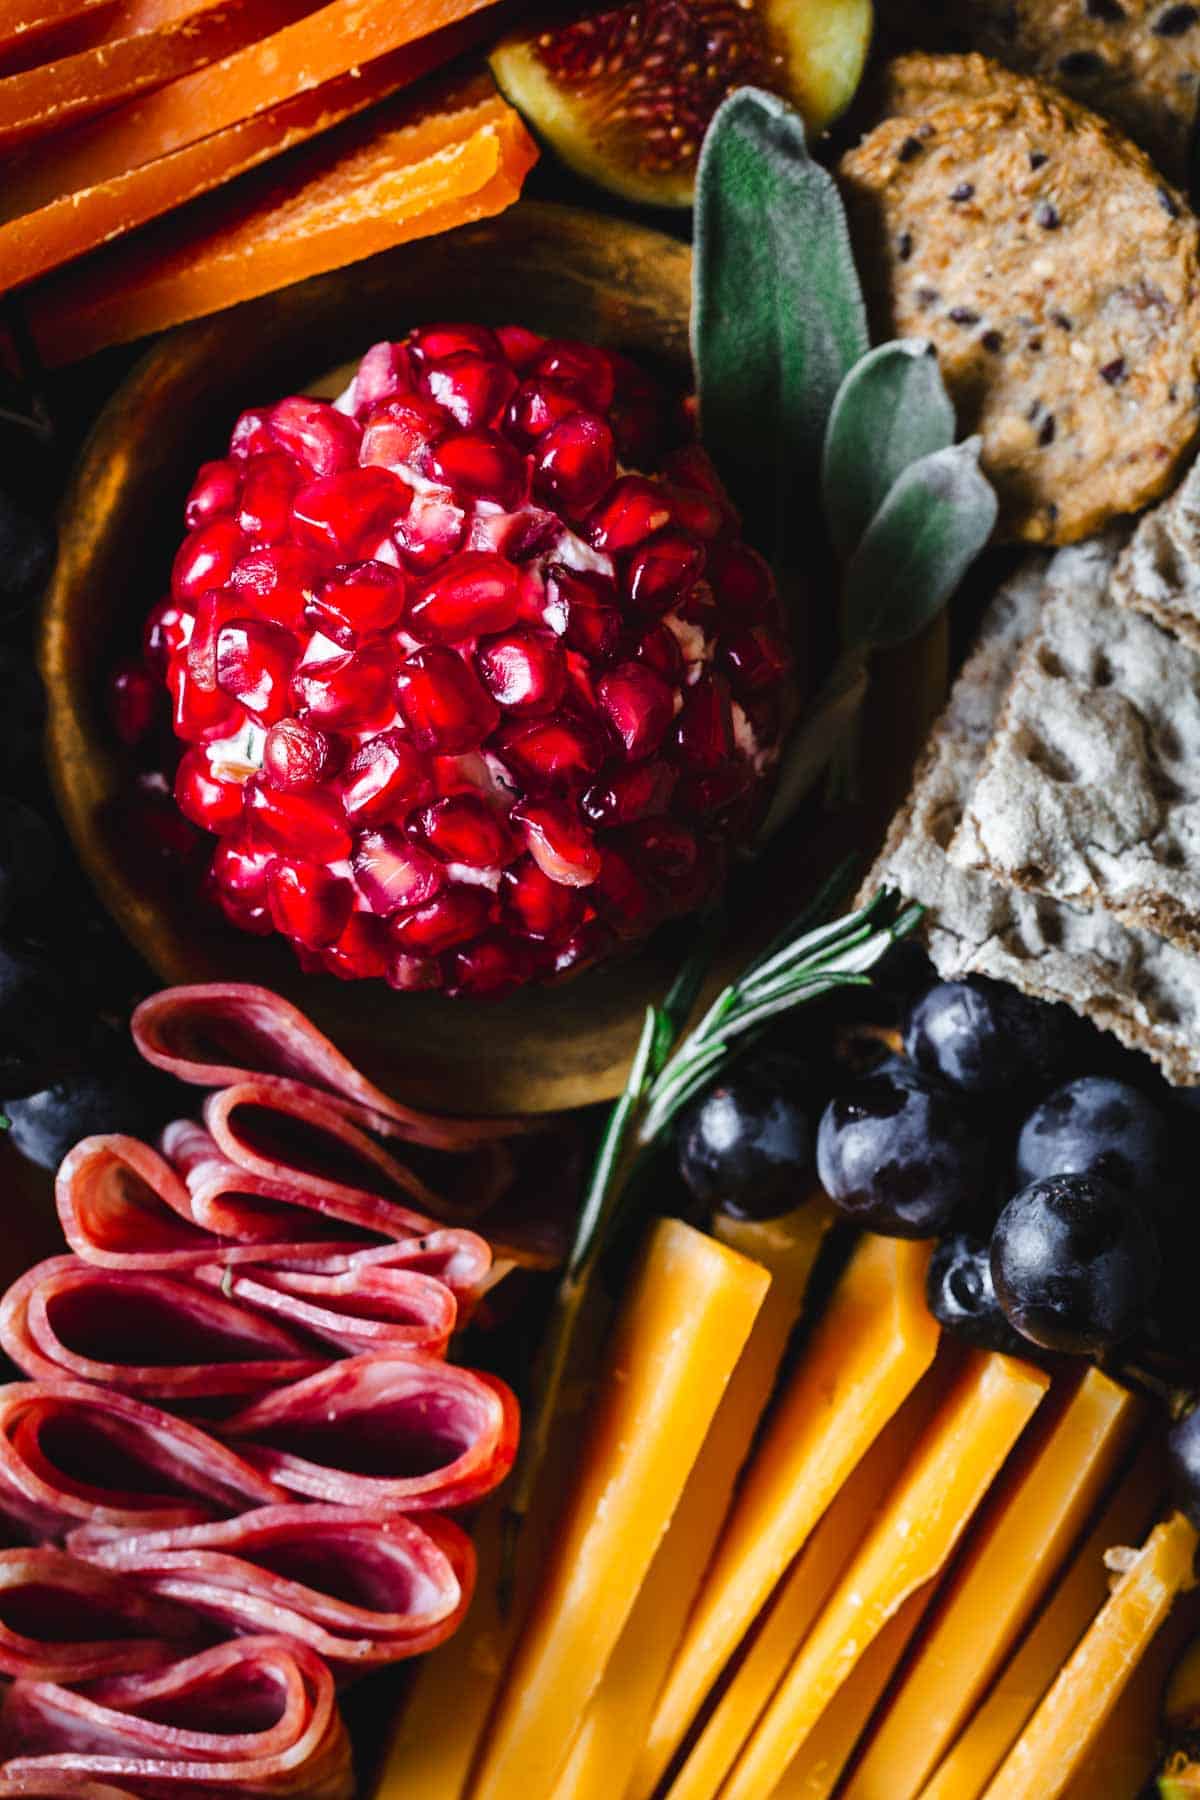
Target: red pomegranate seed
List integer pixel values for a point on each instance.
(483, 465)
(443, 702)
(251, 436)
(639, 705)
(265, 514)
(134, 698)
(307, 903)
(254, 666)
(633, 510)
(743, 585)
(206, 559)
(558, 841)
(523, 671)
(640, 415)
(241, 870)
(590, 944)
(698, 514)
(575, 463)
(690, 466)
(669, 852)
(491, 966)
(473, 389)
(473, 593)
(212, 611)
(553, 752)
(385, 778)
(623, 897)
(338, 512)
(413, 974)
(214, 493)
(624, 795)
(321, 439)
(450, 918)
(705, 795)
(520, 345)
(166, 630)
(358, 599)
(699, 607)
(581, 605)
(402, 433)
(432, 530)
(539, 906)
(704, 732)
(393, 873)
(296, 755)
(245, 915)
(539, 404)
(348, 687)
(362, 953)
(199, 714)
(756, 659)
(433, 343)
(212, 804)
(663, 570)
(383, 372)
(517, 536)
(659, 649)
(583, 366)
(464, 829)
(281, 583)
(308, 825)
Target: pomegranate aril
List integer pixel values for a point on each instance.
(214, 493)
(624, 795)
(632, 511)
(308, 825)
(347, 688)
(134, 699)
(756, 659)
(443, 702)
(639, 705)
(307, 903)
(432, 530)
(640, 415)
(265, 513)
(558, 841)
(206, 559)
(523, 671)
(166, 630)
(473, 389)
(251, 435)
(557, 751)
(339, 511)
(472, 593)
(690, 466)
(413, 974)
(199, 714)
(704, 795)
(743, 585)
(451, 917)
(296, 755)
(538, 906)
(581, 606)
(433, 343)
(358, 599)
(383, 372)
(519, 345)
(575, 463)
(362, 952)
(696, 513)
(659, 650)
(590, 944)
(254, 666)
(704, 731)
(393, 873)
(279, 582)
(483, 465)
(321, 439)
(241, 870)
(401, 434)
(663, 570)
(253, 916)
(491, 966)
(384, 779)
(669, 852)
(583, 366)
(539, 404)
(623, 897)
(211, 804)
(518, 536)
(464, 829)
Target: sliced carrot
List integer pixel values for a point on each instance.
(402, 179)
(72, 223)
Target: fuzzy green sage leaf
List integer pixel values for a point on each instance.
(777, 312)
(917, 548)
(891, 410)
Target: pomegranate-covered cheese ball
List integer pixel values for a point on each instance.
(476, 677)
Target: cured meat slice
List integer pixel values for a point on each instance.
(146, 1333)
(386, 1430)
(364, 1307)
(254, 1717)
(219, 1034)
(72, 1454)
(359, 1589)
(62, 1619)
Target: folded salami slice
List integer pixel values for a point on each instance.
(71, 1454)
(149, 1334)
(257, 1716)
(224, 1033)
(367, 1306)
(402, 1433)
(62, 1619)
(359, 1589)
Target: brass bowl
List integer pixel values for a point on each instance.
(560, 270)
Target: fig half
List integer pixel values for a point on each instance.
(624, 94)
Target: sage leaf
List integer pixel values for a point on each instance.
(891, 410)
(917, 548)
(777, 310)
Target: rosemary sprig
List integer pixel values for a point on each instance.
(668, 1069)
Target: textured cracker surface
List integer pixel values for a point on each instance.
(1159, 572)
(1059, 279)
(1146, 991)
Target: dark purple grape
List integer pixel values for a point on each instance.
(986, 1038)
(1183, 1456)
(899, 1153)
(746, 1145)
(1075, 1263)
(961, 1296)
(1096, 1125)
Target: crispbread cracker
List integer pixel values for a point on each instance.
(1159, 573)
(1145, 991)
(1059, 279)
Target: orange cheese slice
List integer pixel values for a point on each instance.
(951, 1470)
(1026, 1533)
(1054, 1745)
(682, 1328)
(867, 1352)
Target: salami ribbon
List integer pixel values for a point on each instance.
(61, 1619)
(364, 1306)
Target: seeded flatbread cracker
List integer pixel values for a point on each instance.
(1059, 279)
(1131, 983)
(1159, 572)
